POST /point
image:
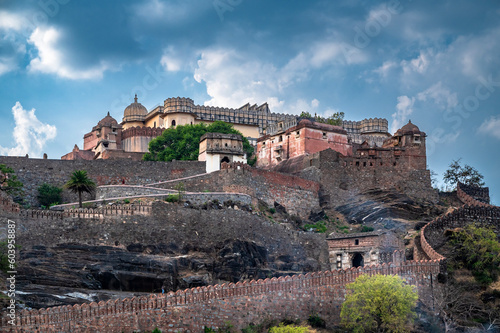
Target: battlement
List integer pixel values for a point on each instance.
(365, 126)
(147, 312)
(178, 104)
(473, 195)
(151, 132)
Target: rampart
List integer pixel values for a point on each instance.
(473, 211)
(35, 172)
(297, 195)
(243, 303)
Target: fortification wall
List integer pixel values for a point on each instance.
(473, 211)
(190, 310)
(297, 195)
(35, 172)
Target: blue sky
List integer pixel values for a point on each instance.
(436, 63)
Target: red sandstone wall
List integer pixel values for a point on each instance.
(295, 296)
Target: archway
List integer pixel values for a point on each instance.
(357, 260)
(225, 159)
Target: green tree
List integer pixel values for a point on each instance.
(9, 182)
(49, 195)
(183, 142)
(477, 249)
(464, 174)
(379, 303)
(79, 182)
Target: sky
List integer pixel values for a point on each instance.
(65, 63)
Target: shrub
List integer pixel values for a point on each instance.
(172, 198)
(272, 210)
(288, 329)
(317, 227)
(126, 201)
(49, 195)
(477, 249)
(366, 229)
(316, 321)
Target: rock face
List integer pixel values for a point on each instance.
(175, 248)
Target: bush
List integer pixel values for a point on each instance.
(172, 198)
(126, 201)
(49, 195)
(316, 321)
(366, 229)
(477, 249)
(317, 227)
(272, 210)
(288, 329)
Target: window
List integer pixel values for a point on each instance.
(394, 163)
(364, 164)
(173, 122)
(154, 124)
(281, 138)
(356, 242)
(357, 163)
(339, 260)
(324, 135)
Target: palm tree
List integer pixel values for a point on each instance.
(80, 182)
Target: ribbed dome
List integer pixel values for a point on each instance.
(135, 111)
(107, 121)
(408, 129)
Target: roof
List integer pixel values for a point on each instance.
(334, 235)
(408, 129)
(135, 111)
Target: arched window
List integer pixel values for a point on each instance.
(173, 122)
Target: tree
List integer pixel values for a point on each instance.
(464, 174)
(79, 183)
(477, 249)
(183, 142)
(334, 119)
(9, 182)
(379, 303)
(49, 195)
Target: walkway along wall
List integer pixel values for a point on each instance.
(190, 310)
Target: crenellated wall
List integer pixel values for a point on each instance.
(190, 310)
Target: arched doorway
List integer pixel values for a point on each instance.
(357, 260)
(225, 159)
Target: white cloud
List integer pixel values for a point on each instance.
(418, 65)
(491, 126)
(52, 60)
(30, 134)
(404, 110)
(384, 70)
(171, 60)
(11, 21)
(440, 95)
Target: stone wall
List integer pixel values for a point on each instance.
(35, 172)
(240, 304)
(297, 195)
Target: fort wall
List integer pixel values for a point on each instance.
(240, 304)
(297, 195)
(34, 172)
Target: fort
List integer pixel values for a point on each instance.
(302, 167)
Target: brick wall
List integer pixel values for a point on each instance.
(240, 304)
(34, 172)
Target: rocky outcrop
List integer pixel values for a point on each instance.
(174, 248)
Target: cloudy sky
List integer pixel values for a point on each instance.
(65, 63)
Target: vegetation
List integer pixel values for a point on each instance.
(316, 321)
(366, 228)
(335, 119)
(49, 195)
(379, 303)
(478, 250)
(9, 182)
(464, 174)
(4, 259)
(79, 182)
(180, 191)
(281, 328)
(172, 198)
(182, 142)
(319, 226)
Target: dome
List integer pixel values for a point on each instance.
(135, 111)
(107, 121)
(408, 129)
